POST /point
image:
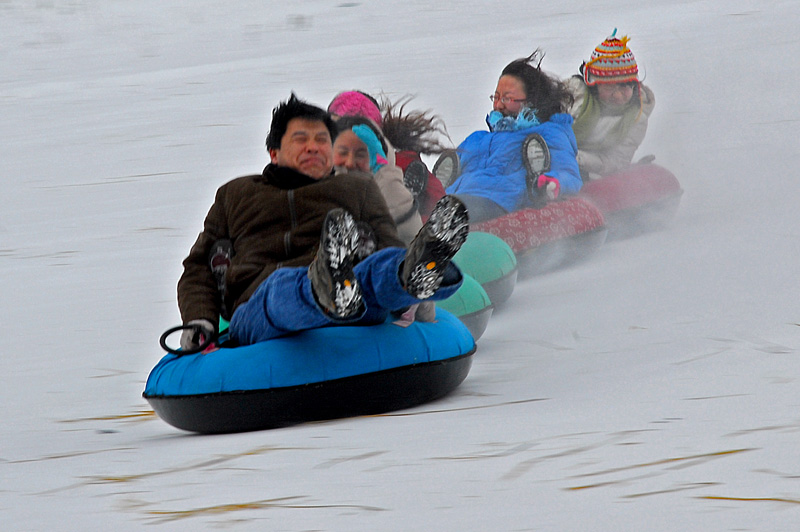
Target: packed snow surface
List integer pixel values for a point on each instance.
(652, 387)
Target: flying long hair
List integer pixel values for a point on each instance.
(418, 131)
(544, 93)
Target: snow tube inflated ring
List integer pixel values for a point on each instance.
(644, 197)
(543, 239)
(471, 305)
(316, 374)
(490, 261)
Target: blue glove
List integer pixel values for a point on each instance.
(497, 122)
(377, 157)
(527, 118)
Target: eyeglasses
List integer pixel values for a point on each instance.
(619, 87)
(505, 100)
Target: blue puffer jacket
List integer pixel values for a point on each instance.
(492, 165)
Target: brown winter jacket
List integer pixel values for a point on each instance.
(274, 220)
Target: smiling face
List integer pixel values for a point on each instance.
(615, 94)
(509, 96)
(349, 152)
(305, 147)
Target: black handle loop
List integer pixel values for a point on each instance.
(182, 352)
(447, 167)
(536, 157)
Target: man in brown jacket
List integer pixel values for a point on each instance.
(293, 236)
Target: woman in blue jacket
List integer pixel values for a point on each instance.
(494, 176)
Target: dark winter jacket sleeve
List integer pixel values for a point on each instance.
(197, 290)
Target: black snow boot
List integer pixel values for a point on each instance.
(447, 167)
(415, 178)
(431, 251)
(333, 281)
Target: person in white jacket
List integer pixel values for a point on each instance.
(611, 109)
(360, 146)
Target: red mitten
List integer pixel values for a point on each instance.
(548, 185)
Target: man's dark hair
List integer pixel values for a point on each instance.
(545, 94)
(295, 108)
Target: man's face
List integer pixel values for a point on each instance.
(306, 147)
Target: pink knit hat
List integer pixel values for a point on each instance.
(356, 103)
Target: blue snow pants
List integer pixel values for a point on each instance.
(284, 302)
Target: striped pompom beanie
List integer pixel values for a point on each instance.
(611, 62)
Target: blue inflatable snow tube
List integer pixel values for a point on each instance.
(315, 374)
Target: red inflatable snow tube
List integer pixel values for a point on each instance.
(643, 197)
(546, 238)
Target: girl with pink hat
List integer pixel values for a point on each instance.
(406, 134)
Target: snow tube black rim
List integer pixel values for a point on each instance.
(366, 394)
(500, 290)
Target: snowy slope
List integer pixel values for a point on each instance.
(653, 387)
